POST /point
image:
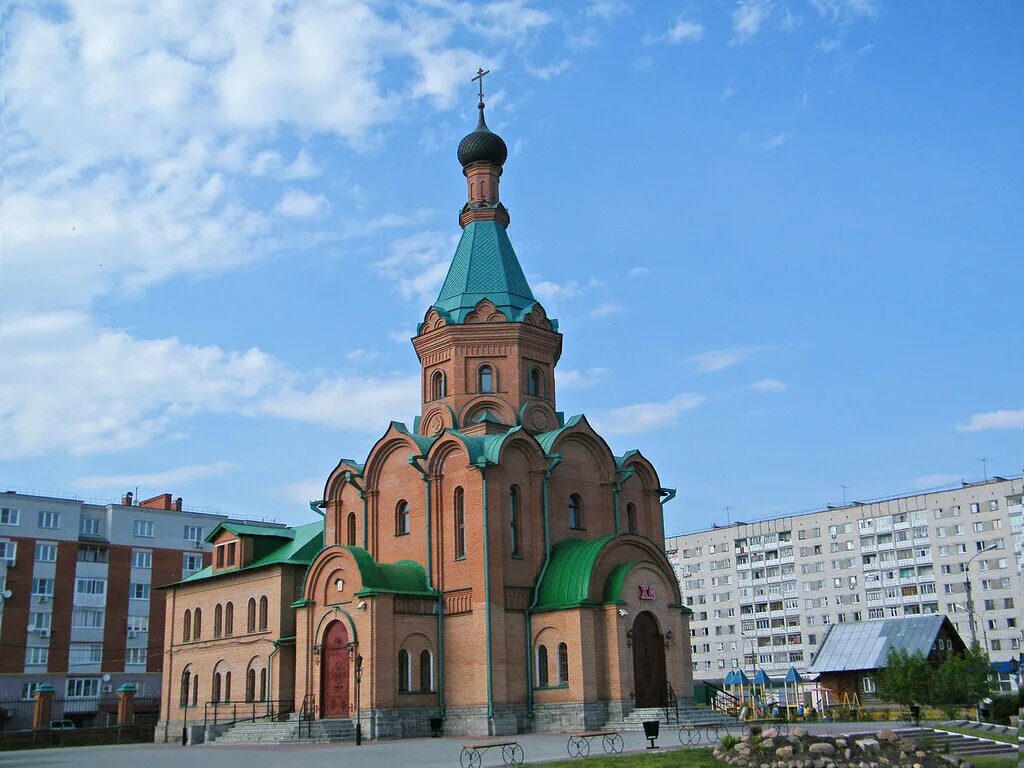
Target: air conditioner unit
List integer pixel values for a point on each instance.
(197, 544)
(44, 599)
(44, 633)
(107, 689)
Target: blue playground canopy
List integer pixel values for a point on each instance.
(740, 678)
(793, 676)
(761, 678)
(730, 678)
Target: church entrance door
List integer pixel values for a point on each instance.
(334, 671)
(648, 662)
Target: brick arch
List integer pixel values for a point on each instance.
(335, 484)
(393, 440)
(487, 402)
(441, 451)
(632, 548)
(584, 435)
(523, 443)
(336, 559)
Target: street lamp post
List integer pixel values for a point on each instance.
(359, 721)
(967, 589)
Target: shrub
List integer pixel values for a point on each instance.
(1003, 706)
(728, 742)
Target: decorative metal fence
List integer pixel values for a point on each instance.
(96, 712)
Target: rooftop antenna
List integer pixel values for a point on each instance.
(845, 489)
(728, 521)
(984, 468)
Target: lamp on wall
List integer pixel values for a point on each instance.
(629, 638)
(668, 638)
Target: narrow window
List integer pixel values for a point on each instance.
(542, 666)
(195, 690)
(220, 556)
(631, 517)
(486, 379)
(563, 664)
(438, 389)
(264, 604)
(533, 386)
(227, 686)
(218, 620)
(250, 625)
(460, 524)
(215, 693)
(185, 680)
(426, 671)
(351, 529)
(186, 627)
(229, 619)
(575, 512)
(197, 624)
(250, 685)
(402, 518)
(263, 684)
(513, 518)
(231, 553)
(404, 671)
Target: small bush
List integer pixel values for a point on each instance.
(728, 742)
(755, 730)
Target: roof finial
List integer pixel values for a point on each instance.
(480, 77)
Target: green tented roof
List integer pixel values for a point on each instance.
(406, 577)
(485, 266)
(299, 546)
(567, 580)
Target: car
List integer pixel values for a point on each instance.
(61, 725)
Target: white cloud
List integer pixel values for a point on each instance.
(935, 481)
(345, 402)
(573, 378)
(776, 141)
(296, 204)
(549, 71)
(547, 290)
(719, 359)
(416, 265)
(685, 31)
(643, 417)
(980, 422)
(607, 309)
(361, 355)
(728, 92)
(827, 44)
(302, 491)
(163, 479)
(639, 272)
(768, 385)
(269, 163)
(845, 11)
(607, 10)
(402, 335)
(747, 18)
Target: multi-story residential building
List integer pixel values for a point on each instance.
(764, 593)
(80, 608)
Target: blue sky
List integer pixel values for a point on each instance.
(783, 239)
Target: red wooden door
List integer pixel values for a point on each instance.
(334, 666)
(648, 662)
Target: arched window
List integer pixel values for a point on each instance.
(227, 686)
(576, 512)
(250, 685)
(460, 523)
(195, 690)
(404, 671)
(426, 671)
(186, 627)
(513, 519)
(631, 517)
(485, 379)
(215, 692)
(197, 624)
(350, 529)
(250, 624)
(218, 620)
(438, 385)
(563, 664)
(263, 684)
(533, 383)
(264, 605)
(542, 666)
(229, 619)
(402, 518)
(186, 678)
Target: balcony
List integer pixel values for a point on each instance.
(905, 525)
(743, 566)
(923, 559)
(875, 603)
(905, 562)
(868, 548)
(910, 599)
(872, 566)
(792, 611)
(786, 560)
(85, 600)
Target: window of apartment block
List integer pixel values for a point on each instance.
(46, 552)
(8, 552)
(49, 519)
(139, 592)
(90, 526)
(90, 586)
(975, 508)
(135, 656)
(38, 620)
(37, 657)
(143, 528)
(85, 653)
(993, 505)
(138, 623)
(142, 558)
(42, 587)
(82, 687)
(9, 516)
(92, 554)
(190, 562)
(87, 618)
(193, 533)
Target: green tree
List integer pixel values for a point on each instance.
(906, 679)
(962, 680)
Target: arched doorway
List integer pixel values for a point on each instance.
(648, 662)
(334, 672)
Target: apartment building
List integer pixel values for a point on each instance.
(80, 608)
(764, 593)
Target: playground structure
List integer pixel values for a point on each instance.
(766, 700)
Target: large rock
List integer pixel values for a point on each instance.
(822, 748)
(798, 731)
(868, 745)
(784, 752)
(887, 735)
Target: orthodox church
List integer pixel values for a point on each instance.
(496, 566)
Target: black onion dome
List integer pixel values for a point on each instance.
(482, 146)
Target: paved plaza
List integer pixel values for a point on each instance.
(421, 753)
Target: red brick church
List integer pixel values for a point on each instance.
(497, 565)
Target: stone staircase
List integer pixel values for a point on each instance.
(696, 714)
(293, 731)
(958, 745)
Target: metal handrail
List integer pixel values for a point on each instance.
(242, 711)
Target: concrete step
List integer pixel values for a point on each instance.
(288, 732)
(958, 744)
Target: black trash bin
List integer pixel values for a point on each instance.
(915, 713)
(436, 727)
(651, 728)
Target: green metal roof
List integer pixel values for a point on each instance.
(405, 577)
(547, 439)
(485, 266)
(567, 581)
(299, 546)
(252, 529)
(613, 587)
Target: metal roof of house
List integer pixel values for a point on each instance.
(865, 644)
